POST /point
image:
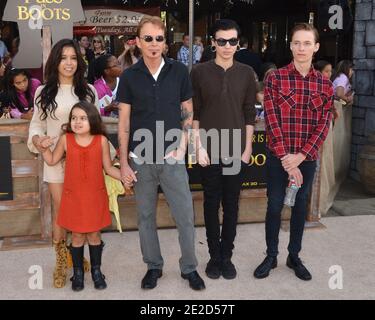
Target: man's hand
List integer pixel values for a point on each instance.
(297, 176)
(128, 176)
(246, 156)
(291, 161)
(202, 156)
(177, 154)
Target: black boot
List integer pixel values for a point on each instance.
(228, 270)
(96, 262)
(213, 268)
(78, 274)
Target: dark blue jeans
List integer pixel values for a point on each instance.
(277, 181)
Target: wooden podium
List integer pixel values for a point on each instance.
(31, 200)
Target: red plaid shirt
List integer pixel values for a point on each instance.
(297, 111)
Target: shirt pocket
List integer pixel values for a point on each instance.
(317, 100)
(286, 99)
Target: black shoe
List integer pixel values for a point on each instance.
(98, 278)
(300, 270)
(228, 269)
(263, 270)
(213, 269)
(77, 279)
(150, 280)
(195, 281)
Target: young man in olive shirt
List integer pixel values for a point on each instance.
(223, 98)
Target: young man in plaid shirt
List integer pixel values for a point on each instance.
(297, 102)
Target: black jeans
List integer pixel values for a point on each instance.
(225, 189)
(277, 181)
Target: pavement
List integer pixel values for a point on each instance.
(340, 258)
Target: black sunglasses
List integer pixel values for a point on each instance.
(222, 42)
(151, 38)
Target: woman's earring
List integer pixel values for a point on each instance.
(238, 47)
(213, 48)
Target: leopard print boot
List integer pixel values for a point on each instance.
(59, 274)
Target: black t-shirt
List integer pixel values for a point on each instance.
(250, 58)
(155, 105)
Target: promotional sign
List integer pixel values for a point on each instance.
(6, 186)
(31, 16)
(255, 173)
(113, 21)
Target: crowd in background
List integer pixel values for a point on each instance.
(17, 86)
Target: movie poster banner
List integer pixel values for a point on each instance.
(255, 174)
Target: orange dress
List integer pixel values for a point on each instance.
(84, 203)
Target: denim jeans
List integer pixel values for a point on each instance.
(173, 179)
(225, 189)
(277, 181)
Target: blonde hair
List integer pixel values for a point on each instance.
(155, 20)
(100, 38)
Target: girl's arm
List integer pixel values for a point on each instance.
(107, 164)
(15, 113)
(52, 158)
(37, 126)
(340, 93)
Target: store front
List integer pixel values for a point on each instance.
(266, 23)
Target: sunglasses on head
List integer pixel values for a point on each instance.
(222, 42)
(151, 38)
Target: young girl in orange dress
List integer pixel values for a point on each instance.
(84, 208)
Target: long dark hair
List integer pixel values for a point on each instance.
(344, 67)
(128, 56)
(93, 116)
(11, 90)
(46, 98)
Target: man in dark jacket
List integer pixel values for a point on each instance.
(245, 56)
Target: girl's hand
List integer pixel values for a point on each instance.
(128, 176)
(46, 142)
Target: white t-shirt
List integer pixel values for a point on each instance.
(156, 75)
